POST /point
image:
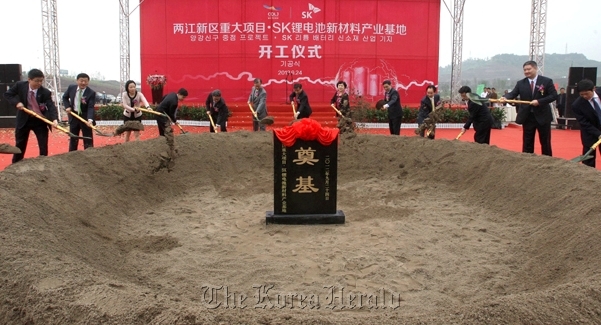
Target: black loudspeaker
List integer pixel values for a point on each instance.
(7, 112)
(3, 102)
(571, 96)
(576, 74)
(10, 73)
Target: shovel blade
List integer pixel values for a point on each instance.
(581, 158)
(79, 137)
(584, 157)
(8, 149)
(103, 134)
(267, 121)
(476, 99)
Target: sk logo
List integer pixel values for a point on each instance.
(312, 10)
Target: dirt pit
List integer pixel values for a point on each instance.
(437, 232)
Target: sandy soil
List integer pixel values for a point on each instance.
(439, 231)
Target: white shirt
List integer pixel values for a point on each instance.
(78, 102)
(35, 92)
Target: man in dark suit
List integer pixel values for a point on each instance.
(393, 105)
(218, 110)
(537, 115)
(427, 105)
(169, 106)
(80, 99)
(561, 102)
(587, 109)
(257, 98)
(300, 99)
(32, 95)
(480, 116)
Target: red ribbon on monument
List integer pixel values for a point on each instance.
(306, 129)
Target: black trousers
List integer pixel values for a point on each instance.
(482, 136)
(75, 126)
(222, 127)
(529, 128)
(40, 129)
(257, 126)
(394, 123)
(162, 123)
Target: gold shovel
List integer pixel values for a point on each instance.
(268, 120)
(459, 135)
(337, 111)
(165, 115)
(587, 155)
(89, 124)
(47, 121)
(213, 123)
(510, 101)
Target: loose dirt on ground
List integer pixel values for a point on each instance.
(440, 231)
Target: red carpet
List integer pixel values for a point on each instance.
(566, 143)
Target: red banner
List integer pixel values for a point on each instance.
(218, 44)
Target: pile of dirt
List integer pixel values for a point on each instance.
(437, 232)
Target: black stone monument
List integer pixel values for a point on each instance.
(305, 178)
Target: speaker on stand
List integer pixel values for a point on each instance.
(574, 76)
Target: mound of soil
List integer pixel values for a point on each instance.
(437, 232)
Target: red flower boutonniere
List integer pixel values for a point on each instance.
(135, 101)
(83, 100)
(541, 88)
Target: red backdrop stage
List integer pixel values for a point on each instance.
(210, 44)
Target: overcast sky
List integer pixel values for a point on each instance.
(89, 32)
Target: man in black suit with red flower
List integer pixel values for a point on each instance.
(30, 94)
(537, 115)
(80, 99)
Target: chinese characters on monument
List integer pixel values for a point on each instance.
(305, 175)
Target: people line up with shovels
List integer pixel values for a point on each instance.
(37, 112)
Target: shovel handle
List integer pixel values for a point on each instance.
(253, 111)
(596, 144)
(36, 115)
(293, 109)
(510, 101)
(337, 111)
(213, 123)
(152, 112)
(459, 135)
(83, 120)
(180, 128)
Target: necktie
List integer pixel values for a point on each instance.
(32, 103)
(78, 101)
(597, 109)
(532, 86)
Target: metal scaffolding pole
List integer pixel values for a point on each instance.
(538, 28)
(123, 42)
(51, 50)
(457, 16)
